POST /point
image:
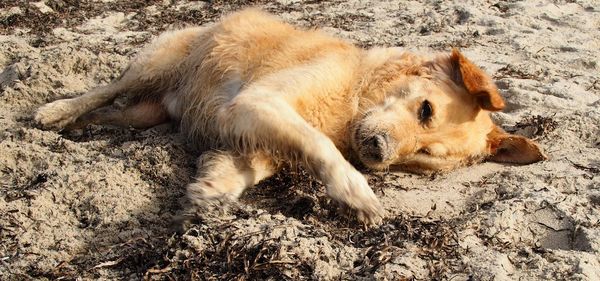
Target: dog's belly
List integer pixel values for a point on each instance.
(194, 108)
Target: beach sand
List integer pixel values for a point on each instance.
(101, 203)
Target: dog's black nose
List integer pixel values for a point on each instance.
(376, 147)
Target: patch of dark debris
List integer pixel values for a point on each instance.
(226, 257)
(28, 17)
(65, 13)
(10, 228)
(535, 127)
(71, 13)
(23, 190)
(214, 252)
(129, 259)
(311, 205)
(308, 201)
(521, 72)
(210, 11)
(86, 213)
(436, 239)
(211, 249)
(346, 22)
(589, 168)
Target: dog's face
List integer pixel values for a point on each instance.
(436, 118)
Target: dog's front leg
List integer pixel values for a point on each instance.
(259, 119)
(223, 176)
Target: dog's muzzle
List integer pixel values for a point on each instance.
(377, 148)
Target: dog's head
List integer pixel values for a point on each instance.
(434, 115)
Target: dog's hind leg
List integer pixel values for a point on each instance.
(150, 74)
(60, 113)
(224, 175)
(140, 115)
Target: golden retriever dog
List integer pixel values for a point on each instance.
(255, 92)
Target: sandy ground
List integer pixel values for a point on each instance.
(100, 203)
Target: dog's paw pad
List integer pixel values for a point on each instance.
(370, 216)
(56, 115)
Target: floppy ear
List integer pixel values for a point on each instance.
(477, 83)
(507, 148)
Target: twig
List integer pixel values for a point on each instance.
(274, 262)
(159, 270)
(108, 263)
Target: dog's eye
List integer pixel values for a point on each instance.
(425, 112)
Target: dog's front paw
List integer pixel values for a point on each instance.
(349, 187)
(56, 115)
(206, 198)
(371, 214)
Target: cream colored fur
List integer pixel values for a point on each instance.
(256, 92)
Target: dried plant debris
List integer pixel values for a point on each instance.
(436, 240)
(70, 13)
(520, 71)
(109, 203)
(346, 22)
(281, 249)
(536, 126)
